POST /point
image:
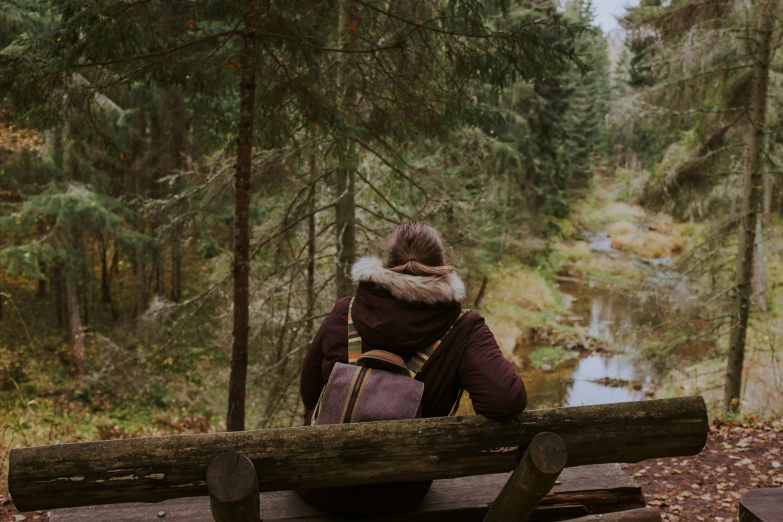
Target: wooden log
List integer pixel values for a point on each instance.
(233, 489)
(158, 468)
(532, 479)
(603, 488)
(634, 515)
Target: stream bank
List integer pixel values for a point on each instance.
(581, 328)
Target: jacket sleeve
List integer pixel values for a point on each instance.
(326, 344)
(491, 380)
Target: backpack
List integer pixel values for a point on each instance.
(375, 385)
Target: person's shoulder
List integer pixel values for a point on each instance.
(342, 305)
(472, 317)
(333, 327)
(475, 329)
(340, 309)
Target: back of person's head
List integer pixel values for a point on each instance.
(416, 249)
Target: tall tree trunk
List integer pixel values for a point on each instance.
(760, 272)
(175, 108)
(311, 254)
(176, 265)
(760, 278)
(345, 210)
(235, 419)
(140, 279)
(481, 292)
(84, 304)
(78, 348)
(106, 273)
(105, 288)
(42, 286)
(157, 262)
(751, 202)
(174, 17)
(345, 218)
(60, 301)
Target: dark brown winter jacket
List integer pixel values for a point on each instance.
(403, 314)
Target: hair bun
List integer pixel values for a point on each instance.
(415, 268)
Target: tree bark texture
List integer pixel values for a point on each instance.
(752, 194)
(76, 331)
(532, 479)
(235, 418)
(176, 264)
(233, 489)
(60, 302)
(42, 282)
(582, 491)
(345, 221)
(140, 279)
(760, 279)
(105, 277)
(173, 115)
(311, 252)
(345, 186)
(157, 468)
(481, 292)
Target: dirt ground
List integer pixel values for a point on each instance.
(708, 487)
(693, 489)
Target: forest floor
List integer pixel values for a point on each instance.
(707, 487)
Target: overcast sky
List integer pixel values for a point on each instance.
(608, 10)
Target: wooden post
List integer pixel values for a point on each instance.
(233, 489)
(533, 478)
(633, 515)
(761, 505)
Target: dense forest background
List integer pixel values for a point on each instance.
(185, 184)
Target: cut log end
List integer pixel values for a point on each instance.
(548, 453)
(537, 472)
(233, 489)
(231, 477)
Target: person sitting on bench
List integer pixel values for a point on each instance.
(408, 313)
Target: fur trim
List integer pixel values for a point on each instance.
(413, 289)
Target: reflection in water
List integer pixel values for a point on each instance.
(582, 391)
(595, 379)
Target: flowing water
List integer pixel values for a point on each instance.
(619, 375)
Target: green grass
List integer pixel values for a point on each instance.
(550, 356)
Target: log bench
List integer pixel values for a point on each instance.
(469, 458)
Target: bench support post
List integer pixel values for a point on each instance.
(233, 489)
(533, 478)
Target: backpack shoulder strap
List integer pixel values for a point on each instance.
(420, 358)
(415, 364)
(354, 340)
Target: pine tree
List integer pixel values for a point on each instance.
(702, 105)
(370, 77)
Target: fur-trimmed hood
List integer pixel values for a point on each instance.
(409, 288)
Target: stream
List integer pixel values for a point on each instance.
(595, 378)
(612, 317)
